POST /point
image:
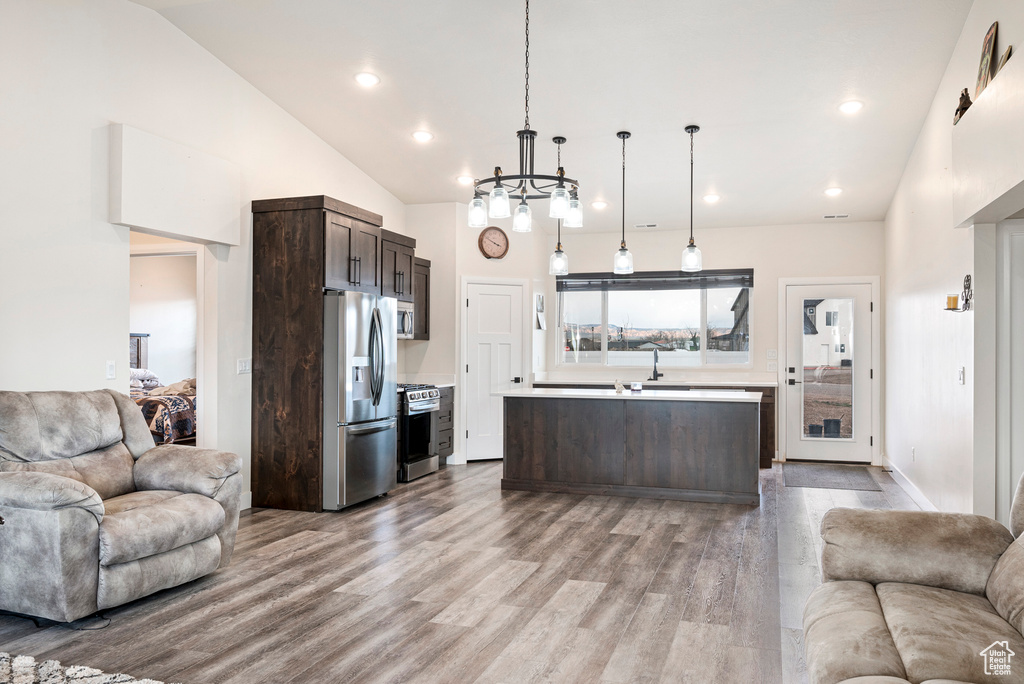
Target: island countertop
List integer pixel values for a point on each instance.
(646, 394)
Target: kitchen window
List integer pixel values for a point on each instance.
(692, 321)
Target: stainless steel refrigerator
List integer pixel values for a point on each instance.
(360, 397)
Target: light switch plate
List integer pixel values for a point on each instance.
(773, 366)
(111, 370)
(244, 366)
(961, 375)
(773, 354)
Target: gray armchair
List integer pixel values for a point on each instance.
(93, 515)
(913, 596)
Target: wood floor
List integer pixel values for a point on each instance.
(449, 579)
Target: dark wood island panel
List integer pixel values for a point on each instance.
(685, 450)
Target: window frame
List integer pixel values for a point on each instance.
(606, 282)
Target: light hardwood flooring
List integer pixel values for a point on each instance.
(449, 579)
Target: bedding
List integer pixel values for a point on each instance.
(170, 418)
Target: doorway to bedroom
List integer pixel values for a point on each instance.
(164, 336)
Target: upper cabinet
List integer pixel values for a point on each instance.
(397, 266)
(351, 254)
(421, 297)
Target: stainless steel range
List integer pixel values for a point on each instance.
(417, 431)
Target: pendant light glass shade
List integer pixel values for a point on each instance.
(692, 261)
(477, 213)
(574, 219)
(559, 262)
(522, 222)
(499, 203)
(559, 203)
(623, 262)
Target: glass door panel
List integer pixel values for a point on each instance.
(828, 354)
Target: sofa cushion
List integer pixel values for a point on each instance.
(108, 471)
(1006, 586)
(940, 633)
(163, 525)
(845, 634)
(38, 426)
(126, 582)
(134, 500)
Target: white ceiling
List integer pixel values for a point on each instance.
(763, 79)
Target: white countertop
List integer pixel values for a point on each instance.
(435, 379)
(648, 394)
(720, 380)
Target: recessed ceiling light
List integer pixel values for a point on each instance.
(711, 199)
(834, 192)
(423, 136)
(367, 79)
(851, 107)
(599, 205)
(466, 180)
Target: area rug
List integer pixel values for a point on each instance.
(829, 476)
(25, 670)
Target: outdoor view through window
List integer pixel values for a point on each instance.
(688, 327)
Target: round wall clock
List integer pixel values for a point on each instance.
(493, 243)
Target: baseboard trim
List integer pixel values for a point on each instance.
(699, 495)
(909, 487)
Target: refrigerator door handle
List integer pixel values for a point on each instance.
(373, 351)
(376, 426)
(383, 357)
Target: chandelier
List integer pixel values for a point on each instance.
(562, 193)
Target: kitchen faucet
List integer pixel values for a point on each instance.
(656, 374)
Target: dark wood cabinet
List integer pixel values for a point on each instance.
(397, 266)
(421, 298)
(300, 246)
(446, 423)
(766, 441)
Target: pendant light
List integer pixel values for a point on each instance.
(523, 220)
(559, 262)
(692, 260)
(622, 263)
(477, 213)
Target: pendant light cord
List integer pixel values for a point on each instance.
(559, 235)
(623, 193)
(691, 187)
(527, 126)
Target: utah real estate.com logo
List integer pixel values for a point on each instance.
(997, 658)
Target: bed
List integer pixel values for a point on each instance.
(170, 411)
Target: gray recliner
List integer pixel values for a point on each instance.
(919, 597)
(94, 515)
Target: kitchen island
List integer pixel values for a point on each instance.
(663, 444)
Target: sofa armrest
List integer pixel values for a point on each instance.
(954, 551)
(185, 469)
(37, 491)
(216, 474)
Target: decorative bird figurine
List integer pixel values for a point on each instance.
(965, 103)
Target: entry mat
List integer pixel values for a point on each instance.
(829, 476)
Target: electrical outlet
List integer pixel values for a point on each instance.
(111, 370)
(773, 366)
(244, 366)
(961, 375)
(913, 453)
(773, 354)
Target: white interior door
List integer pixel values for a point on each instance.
(828, 373)
(494, 362)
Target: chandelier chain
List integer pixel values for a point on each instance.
(527, 126)
(623, 192)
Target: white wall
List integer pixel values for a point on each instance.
(926, 259)
(805, 250)
(162, 303)
(68, 69)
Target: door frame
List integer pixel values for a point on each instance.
(527, 347)
(1005, 485)
(877, 429)
(206, 338)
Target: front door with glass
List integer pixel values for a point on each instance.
(828, 373)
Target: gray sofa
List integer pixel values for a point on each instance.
(93, 515)
(917, 597)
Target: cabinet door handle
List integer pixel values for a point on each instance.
(352, 269)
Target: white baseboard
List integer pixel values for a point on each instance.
(909, 487)
(246, 500)
(456, 459)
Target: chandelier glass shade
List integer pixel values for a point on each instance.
(477, 213)
(692, 259)
(529, 185)
(522, 222)
(574, 219)
(558, 264)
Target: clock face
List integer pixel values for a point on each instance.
(493, 242)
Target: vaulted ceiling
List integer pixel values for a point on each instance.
(763, 79)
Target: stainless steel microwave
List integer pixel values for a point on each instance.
(406, 315)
